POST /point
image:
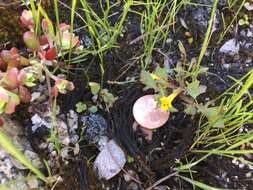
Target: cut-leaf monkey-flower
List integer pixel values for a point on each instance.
(166, 101)
(154, 76)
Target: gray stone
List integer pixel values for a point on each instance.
(231, 47)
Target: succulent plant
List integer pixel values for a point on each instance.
(18, 74)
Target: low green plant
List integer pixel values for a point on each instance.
(80, 107)
(156, 21)
(46, 47)
(225, 140)
(102, 94)
(20, 73)
(244, 21)
(183, 81)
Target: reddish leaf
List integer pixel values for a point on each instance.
(43, 40)
(70, 86)
(44, 25)
(24, 61)
(8, 101)
(14, 51)
(55, 91)
(11, 103)
(21, 77)
(6, 56)
(64, 26)
(3, 65)
(26, 19)
(10, 79)
(11, 58)
(24, 94)
(62, 86)
(47, 32)
(51, 54)
(31, 40)
(1, 122)
(3, 95)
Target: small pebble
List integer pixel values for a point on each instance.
(248, 175)
(241, 165)
(226, 65)
(224, 175)
(249, 33)
(250, 167)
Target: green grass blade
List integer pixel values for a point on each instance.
(72, 17)
(200, 185)
(9, 147)
(208, 33)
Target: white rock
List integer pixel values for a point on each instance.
(230, 47)
(226, 65)
(65, 141)
(109, 161)
(35, 95)
(241, 165)
(33, 183)
(248, 175)
(249, 33)
(248, 6)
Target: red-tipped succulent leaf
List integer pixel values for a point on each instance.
(11, 58)
(51, 54)
(8, 101)
(24, 94)
(147, 114)
(43, 40)
(26, 18)
(10, 80)
(62, 86)
(3, 65)
(31, 40)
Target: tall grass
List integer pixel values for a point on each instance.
(209, 31)
(102, 33)
(227, 141)
(156, 21)
(238, 112)
(227, 27)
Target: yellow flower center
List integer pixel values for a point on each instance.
(166, 101)
(154, 76)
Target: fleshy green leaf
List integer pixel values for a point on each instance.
(31, 40)
(130, 159)
(94, 87)
(108, 97)
(80, 107)
(93, 109)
